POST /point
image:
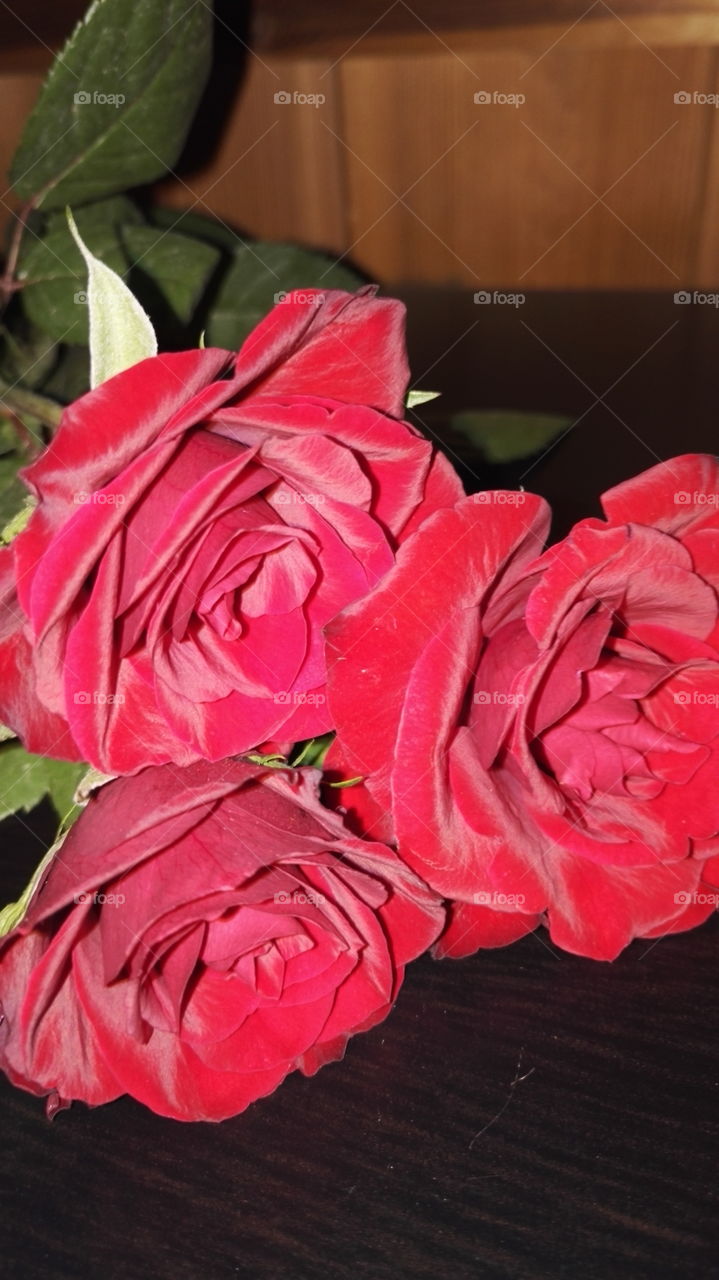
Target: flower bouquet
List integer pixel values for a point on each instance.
(305, 708)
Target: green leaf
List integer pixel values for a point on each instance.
(70, 378)
(55, 295)
(503, 435)
(258, 273)
(13, 496)
(313, 751)
(25, 779)
(416, 398)
(118, 102)
(17, 522)
(121, 334)
(168, 273)
(63, 778)
(114, 212)
(176, 266)
(8, 436)
(27, 358)
(188, 223)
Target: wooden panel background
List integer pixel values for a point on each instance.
(403, 171)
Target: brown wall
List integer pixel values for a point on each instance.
(599, 180)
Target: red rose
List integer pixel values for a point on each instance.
(203, 932)
(198, 525)
(555, 724)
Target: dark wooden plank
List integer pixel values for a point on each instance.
(29, 32)
(325, 26)
(416, 1157)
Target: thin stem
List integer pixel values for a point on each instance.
(8, 283)
(30, 444)
(17, 400)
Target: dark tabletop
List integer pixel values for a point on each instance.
(522, 1113)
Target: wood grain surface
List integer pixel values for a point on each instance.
(519, 1115)
(599, 180)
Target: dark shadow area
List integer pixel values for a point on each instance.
(285, 25)
(24, 838)
(637, 373)
(229, 58)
